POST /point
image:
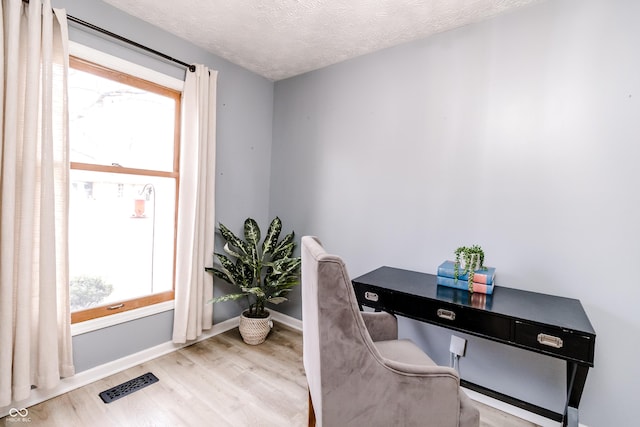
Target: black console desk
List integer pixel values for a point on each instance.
(551, 325)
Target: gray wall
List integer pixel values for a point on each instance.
(517, 133)
(244, 128)
(520, 134)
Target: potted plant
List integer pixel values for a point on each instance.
(472, 258)
(263, 273)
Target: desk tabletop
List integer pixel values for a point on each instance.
(532, 306)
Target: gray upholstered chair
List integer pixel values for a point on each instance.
(359, 373)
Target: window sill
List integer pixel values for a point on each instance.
(115, 319)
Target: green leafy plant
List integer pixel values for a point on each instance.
(473, 257)
(88, 291)
(264, 272)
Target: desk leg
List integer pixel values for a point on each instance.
(576, 378)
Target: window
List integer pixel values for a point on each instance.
(124, 138)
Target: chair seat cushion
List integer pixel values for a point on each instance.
(404, 351)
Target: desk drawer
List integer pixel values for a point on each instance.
(554, 340)
(373, 297)
(478, 322)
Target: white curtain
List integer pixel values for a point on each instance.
(196, 220)
(35, 338)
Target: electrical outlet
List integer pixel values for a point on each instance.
(458, 346)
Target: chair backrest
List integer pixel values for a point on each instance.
(335, 339)
(350, 383)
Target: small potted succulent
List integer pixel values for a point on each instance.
(472, 259)
(263, 273)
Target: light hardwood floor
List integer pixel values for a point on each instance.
(217, 382)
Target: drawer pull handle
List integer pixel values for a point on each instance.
(371, 296)
(550, 340)
(446, 314)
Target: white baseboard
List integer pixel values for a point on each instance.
(99, 372)
(512, 410)
(287, 320)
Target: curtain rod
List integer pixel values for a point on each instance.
(129, 41)
(86, 24)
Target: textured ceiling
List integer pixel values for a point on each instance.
(283, 38)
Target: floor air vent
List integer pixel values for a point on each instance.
(124, 389)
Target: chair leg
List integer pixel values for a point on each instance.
(312, 414)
